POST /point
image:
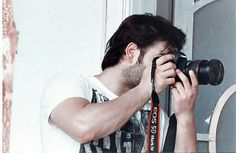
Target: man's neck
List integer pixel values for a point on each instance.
(113, 80)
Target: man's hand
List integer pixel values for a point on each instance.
(184, 103)
(185, 94)
(165, 72)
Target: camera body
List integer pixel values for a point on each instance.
(207, 72)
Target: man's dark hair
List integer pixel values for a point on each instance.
(143, 30)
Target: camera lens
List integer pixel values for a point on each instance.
(211, 72)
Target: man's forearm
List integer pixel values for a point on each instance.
(105, 118)
(186, 135)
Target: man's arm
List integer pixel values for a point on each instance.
(184, 103)
(186, 134)
(85, 121)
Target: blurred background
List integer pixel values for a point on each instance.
(57, 36)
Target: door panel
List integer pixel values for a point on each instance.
(210, 28)
(212, 38)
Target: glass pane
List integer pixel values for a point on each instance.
(214, 36)
(202, 147)
(143, 6)
(149, 6)
(226, 127)
(136, 6)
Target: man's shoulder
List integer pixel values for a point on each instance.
(62, 83)
(68, 76)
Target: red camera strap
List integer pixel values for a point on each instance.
(154, 123)
(153, 133)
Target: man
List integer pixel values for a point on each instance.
(107, 112)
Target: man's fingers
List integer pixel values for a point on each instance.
(170, 81)
(180, 88)
(167, 66)
(175, 92)
(193, 80)
(169, 74)
(184, 80)
(163, 59)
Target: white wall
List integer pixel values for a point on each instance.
(53, 36)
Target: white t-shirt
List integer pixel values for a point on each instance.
(130, 138)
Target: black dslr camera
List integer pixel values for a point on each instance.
(211, 72)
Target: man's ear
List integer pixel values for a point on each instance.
(132, 53)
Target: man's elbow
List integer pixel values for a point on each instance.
(83, 132)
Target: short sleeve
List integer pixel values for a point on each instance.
(60, 88)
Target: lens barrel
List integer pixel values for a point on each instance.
(207, 72)
(211, 72)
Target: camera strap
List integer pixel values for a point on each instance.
(169, 145)
(153, 132)
(154, 122)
